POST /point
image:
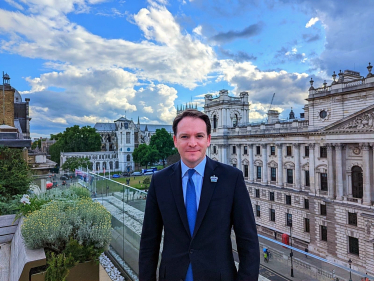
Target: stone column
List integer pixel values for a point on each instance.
(264, 164)
(366, 174)
(312, 168)
(280, 165)
(224, 154)
(330, 172)
(297, 165)
(251, 167)
(239, 152)
(339, 171)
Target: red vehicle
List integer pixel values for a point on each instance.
(49, 185)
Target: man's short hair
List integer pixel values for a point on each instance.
(194, 114)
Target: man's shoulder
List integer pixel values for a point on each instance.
(166, 171)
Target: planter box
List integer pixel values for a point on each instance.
(88, 271)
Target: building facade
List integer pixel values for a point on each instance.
(312, 177)
(14, 117)
(118, 141)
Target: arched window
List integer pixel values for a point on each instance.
(128, 158)
(357, 182)
(235, 121)
(215, 122)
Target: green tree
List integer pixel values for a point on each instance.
(37, 143)
(73, 163)
(145, 155)
(75, 139)
(163, 142)
(15, 177)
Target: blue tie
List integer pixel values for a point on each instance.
(191, 208)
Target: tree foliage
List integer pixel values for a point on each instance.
(145, 155)
(73, 163)
(163, 142)
(37, 143)
(15, 176)
(75, 139)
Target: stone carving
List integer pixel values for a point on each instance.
(273, 164)
(258, 163)
(245, 162)
(215, 159)
(363, 121)
(233, 160)
(289, 165)
(305, 167)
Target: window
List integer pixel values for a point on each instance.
(272, 215)
(352, 219)
(289, 150)
(323, 152)
(306, 151)
(127, 137)
(306, 203)
(289, 176)
(353, 245)
(235, 121)
(258, 150)
(357, 182)
(215, 149)
(233, 149)
(214, 122)
(257, 193)
(323, 233)
(307, 178)
(258, 213)
(306, 225)
(288, 199)
(245, 149)
(323, 209)
(271, 196)
(273, 172)
(258, 172)
(234, 165)
(323, 181)
(246, 171)
(128, 158)
(272, 150)
(289, 220)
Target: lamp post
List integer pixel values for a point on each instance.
(289, 218)
(350, 271)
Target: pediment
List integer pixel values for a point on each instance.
(362, 121)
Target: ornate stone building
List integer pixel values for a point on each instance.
(118, 141)
(314, 175)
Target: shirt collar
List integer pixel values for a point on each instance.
(200, 168)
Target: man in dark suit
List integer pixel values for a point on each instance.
(197, 202)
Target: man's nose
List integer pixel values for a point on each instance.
(192, 142)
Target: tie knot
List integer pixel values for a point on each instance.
(190, 173)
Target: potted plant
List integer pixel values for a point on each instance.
(73, 231)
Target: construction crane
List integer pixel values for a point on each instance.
(271, 103)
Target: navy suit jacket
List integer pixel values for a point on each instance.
(223, 204)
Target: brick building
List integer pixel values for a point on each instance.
(312, 176)
(14, 117)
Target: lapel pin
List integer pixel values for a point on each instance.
(213, 178)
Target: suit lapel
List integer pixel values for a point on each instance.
(176, 187)
(206, 193)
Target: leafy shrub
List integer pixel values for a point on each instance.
(57, 222)
(81, 192)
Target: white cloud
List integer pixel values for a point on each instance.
(14, 4)
(198, 30)
(311, 22)
(148, 109)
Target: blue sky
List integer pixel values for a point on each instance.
(87, 61)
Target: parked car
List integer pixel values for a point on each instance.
(115, 176)
(64, 178)
(136, 174)
(126, 174)
(148, 173)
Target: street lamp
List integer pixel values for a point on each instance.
(289, 219)
(350, 271)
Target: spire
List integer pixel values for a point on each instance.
(138, 121)
(146, 128)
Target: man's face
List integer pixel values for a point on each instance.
(191, 140)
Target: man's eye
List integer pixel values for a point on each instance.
(183, 137)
